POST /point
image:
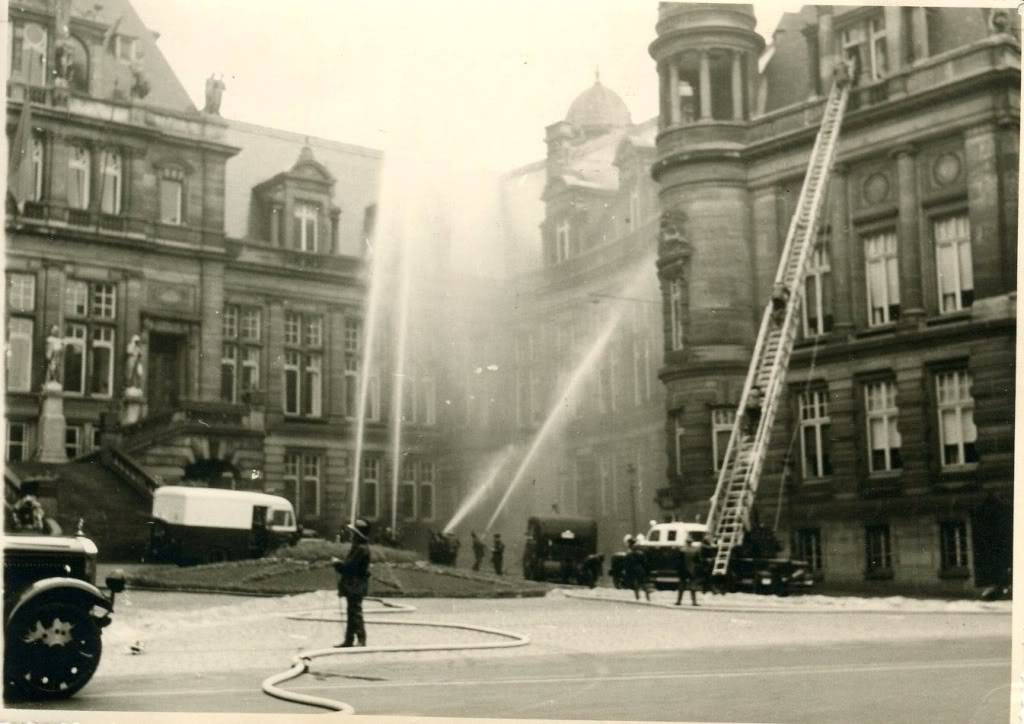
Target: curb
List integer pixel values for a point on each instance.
(272, 593)
(771, 609)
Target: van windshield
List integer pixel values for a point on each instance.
(281, 518)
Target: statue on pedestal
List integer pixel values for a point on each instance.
(54, 356)
(214, 92)
(134, 371)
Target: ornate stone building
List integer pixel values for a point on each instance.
(233, 252)
(891, 466)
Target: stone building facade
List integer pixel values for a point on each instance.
(891, 466)
(234, 252)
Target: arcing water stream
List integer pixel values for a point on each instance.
(498, 463)
(579, 374)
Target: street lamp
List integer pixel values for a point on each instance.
(634, 481)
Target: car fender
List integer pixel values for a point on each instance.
(70, 588)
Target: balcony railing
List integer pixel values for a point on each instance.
(119, 224)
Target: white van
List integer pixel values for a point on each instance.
(201, 525)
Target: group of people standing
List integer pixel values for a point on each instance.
(480, 550)
(689, 565)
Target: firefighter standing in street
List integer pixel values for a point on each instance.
(479, 550)
(635, 570)
(354, 583)
(687, 578)
(497, 553)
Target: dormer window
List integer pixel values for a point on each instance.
(863, 43)
(306, 226)
(172, 182)
(126, 48)
(562, 241)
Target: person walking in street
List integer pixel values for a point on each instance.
(687, 579)
(635, 571)
(497, 553)
(479, 550)
(354, 582)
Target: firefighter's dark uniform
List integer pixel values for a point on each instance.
(498, 554)
(686, 577)
(479, 549)
(635, 572)
(354, 583)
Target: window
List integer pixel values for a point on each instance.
(722, 420)
(302, 483)
(675, 306)
(110, 182)
(21, 304)
(72, 441)
(172, 181)
(679, 430)
(817, 306)
(807, 547)
(641, 357)
(407, 491)
(878, 548)
(79, 172)
(90, 309)
(815, 434)
(373, 398)
(428, 393)
(958, 436)
(303, 369)
(17, 441)
(426, 497)
(38, 167)
(243, 331)
(882, 270)
(864, 44)
(126, 48)
(368, 497)
(229, 373)
(883, 435)
(306, 226)
(28, 43)
(953, 544)
(562, 241)
(953, 263)
(353, 329)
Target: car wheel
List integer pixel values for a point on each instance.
(52, 650)
(216, 555)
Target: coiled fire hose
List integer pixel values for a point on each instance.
(301, 661)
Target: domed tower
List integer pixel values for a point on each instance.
(707, 64)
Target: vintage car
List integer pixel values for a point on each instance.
(53, 614)
(562, 548)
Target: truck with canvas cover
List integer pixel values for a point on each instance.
(561, 548)
(205, 525)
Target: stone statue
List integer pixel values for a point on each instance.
(671, 240)
(54, 355)
(214, 92)
(140, 83)
(134, 370)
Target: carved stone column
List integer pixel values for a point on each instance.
(737, 86)
(705, 86)
(909, 234)
(841, 257)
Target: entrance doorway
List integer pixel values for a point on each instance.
(166, 374)
(992, 538)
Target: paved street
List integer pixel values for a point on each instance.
(586, 660)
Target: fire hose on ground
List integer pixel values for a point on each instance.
(301, 661)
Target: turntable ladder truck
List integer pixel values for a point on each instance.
(729, 513)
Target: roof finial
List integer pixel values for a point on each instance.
(597, 74)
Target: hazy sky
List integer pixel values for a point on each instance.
(475, 82)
